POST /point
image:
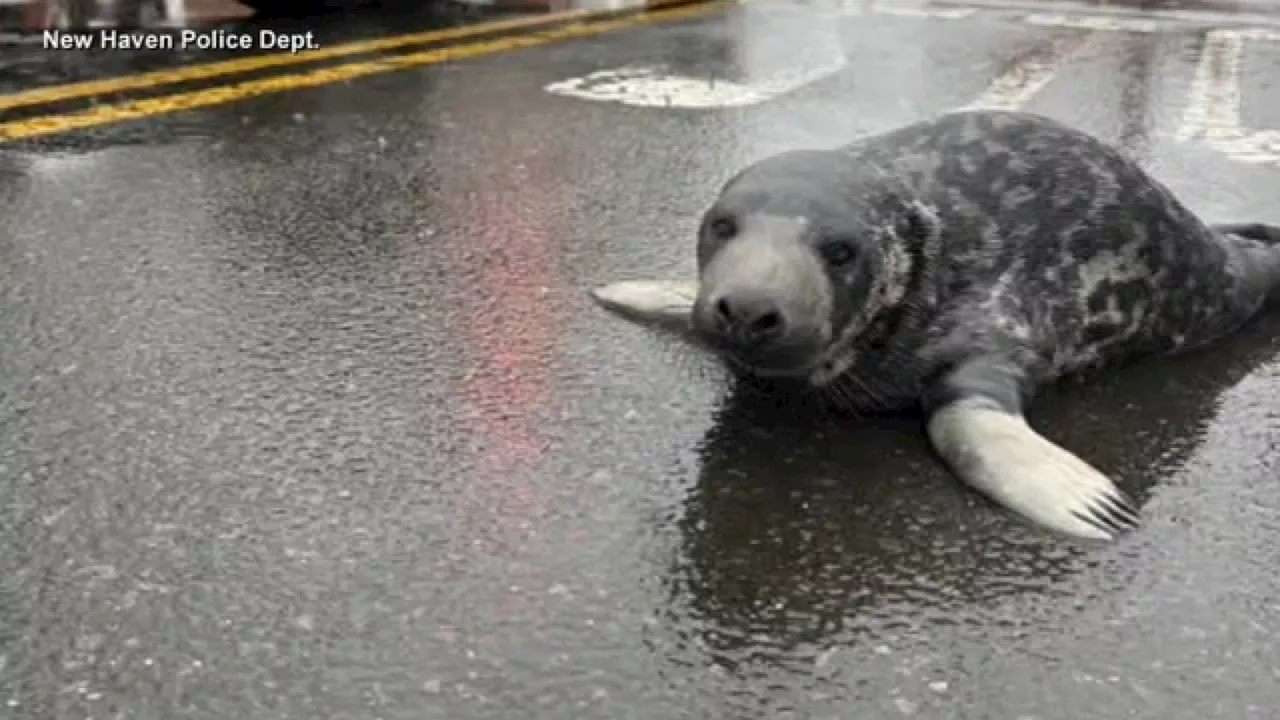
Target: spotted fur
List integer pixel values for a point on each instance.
(1052, 246)
(992, 252)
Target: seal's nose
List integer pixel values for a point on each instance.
(751, 317)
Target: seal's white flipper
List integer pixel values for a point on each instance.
(1002, 456)
(667, 303)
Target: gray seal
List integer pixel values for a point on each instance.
(957, 266)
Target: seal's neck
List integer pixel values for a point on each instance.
(911, 258)
(904, 290)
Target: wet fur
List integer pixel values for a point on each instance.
(998, 252)
(1025, 251)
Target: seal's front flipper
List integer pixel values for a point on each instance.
(666, 304)
(1000, 455)
(977, 428)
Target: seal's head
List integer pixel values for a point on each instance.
(796, 256)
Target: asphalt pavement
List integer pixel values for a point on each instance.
(305, 412)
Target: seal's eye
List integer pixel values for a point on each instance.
(724, 228)
(838, 253)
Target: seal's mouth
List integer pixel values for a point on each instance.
(799, 358)
(802, 369)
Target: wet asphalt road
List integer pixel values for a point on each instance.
(305, 414)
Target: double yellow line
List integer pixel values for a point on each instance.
(532, 31)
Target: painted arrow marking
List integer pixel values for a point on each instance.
(1212, 116)
(656, 86)
(1014, 88)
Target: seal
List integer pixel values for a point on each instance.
(957, 266)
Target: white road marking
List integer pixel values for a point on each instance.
(650, 86)
(655, 86)
(1263, 34)
(1259, 27)
(1212, 116)
(1174, 19)
(1093, 22)
(930, 13)
(1013, 88)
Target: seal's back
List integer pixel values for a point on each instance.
(1059, 231)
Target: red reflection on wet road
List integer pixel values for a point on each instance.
(510, 329)
(508, 335)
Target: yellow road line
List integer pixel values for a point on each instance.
(101, 115)
(57, 93)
